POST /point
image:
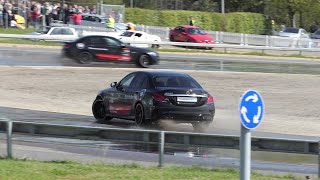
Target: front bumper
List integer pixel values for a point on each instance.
(182, 114)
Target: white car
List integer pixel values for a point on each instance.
(139, 38)
(55, 34)
(294, 33)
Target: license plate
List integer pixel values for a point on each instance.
(187, 99)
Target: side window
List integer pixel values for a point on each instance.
(138, 35)
(145, 83)
(126, 81)
(67, 32)
(56, 31)
(97, 41)
(140, 82)
(112, 42)
(85, 18)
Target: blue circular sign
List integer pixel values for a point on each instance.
(251, 109)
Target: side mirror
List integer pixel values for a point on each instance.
(114, 84)
(123, 45)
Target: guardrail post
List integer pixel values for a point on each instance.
(246, 39)
(9, 139)
(267, 40)
(221, 65)
(221, 37)
(241, 39)
(217, 36)
(319, 159)
(161, 148)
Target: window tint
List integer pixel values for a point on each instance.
(138, 34)
(66, 32)
(175, 81)
(127, 34)
(96, 41)
(141, 82)
(112, 42)
(56, 31)
(125, 82)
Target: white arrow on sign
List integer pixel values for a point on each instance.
(244, 114)
(256, 117)
(254, 98)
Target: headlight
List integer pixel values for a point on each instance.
(153, 53)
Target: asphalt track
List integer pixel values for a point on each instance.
(51, 57)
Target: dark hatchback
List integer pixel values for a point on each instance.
(105, 48)
(149, 96)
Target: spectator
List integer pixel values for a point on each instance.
(191, 21)
(119, 17)
(131, 27)
(111, 21)
(76, 17)
(35, 17)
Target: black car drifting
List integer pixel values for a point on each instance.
(148, 96)
(105, 48)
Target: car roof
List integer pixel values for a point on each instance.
(188, 26)
(164, 73)
(94, 15)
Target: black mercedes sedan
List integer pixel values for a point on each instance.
(149, 96)
(104, 48)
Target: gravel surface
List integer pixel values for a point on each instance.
(291, 101)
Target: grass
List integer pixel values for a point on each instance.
(34, 170)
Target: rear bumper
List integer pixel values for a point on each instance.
(182, 114)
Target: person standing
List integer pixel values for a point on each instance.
(111, 22)
(191, 21)
(35, 17)
(77, 18)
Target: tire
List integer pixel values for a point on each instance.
(139, 118)
(144, 61)
(99, 111)
(85, 57)
(171, 38)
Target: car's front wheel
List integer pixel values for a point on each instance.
(144, 61)
(99, 111)
(139, 115)
(85, 57)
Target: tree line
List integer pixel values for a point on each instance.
(292, 13)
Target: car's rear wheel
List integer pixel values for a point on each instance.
(139, 115)
(99, 111)
(144, 61)
(85, 57)
(171, 38)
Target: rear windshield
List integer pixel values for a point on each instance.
(196, 31)
(175, 81)
(291, 30)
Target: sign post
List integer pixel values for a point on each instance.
(251, 110)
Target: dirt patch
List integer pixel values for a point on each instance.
(291, 101)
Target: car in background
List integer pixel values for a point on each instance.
(139, 36)
(93, 20)
(294, 33)
(105, 48)
(56, 33)
(315, 35)
(149, 96)
(190, 34)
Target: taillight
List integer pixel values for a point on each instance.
(210, 99)
(158, 97)
(67, 46)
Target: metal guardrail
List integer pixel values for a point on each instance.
(161, 138)
(225, 47)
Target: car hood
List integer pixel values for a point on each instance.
(201, 37)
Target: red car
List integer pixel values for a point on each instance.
(190, 34)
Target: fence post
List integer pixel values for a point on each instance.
(9, 139)
(241, 40)
(217, 36)
(43, 22)
(6, 20)
(161, 148)
(319, 159)
(267, 40)
(221, 37)
(246, 40)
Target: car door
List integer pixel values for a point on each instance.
(139, 89)
(122, 98)
(117, 51)
(56, 33)
(97, 47)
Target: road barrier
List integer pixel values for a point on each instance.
(162, 138)
(225, 47)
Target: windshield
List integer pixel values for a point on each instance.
(43, 31)
(196, 31)
(291, 30)
(175, 81)
(127, 34)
